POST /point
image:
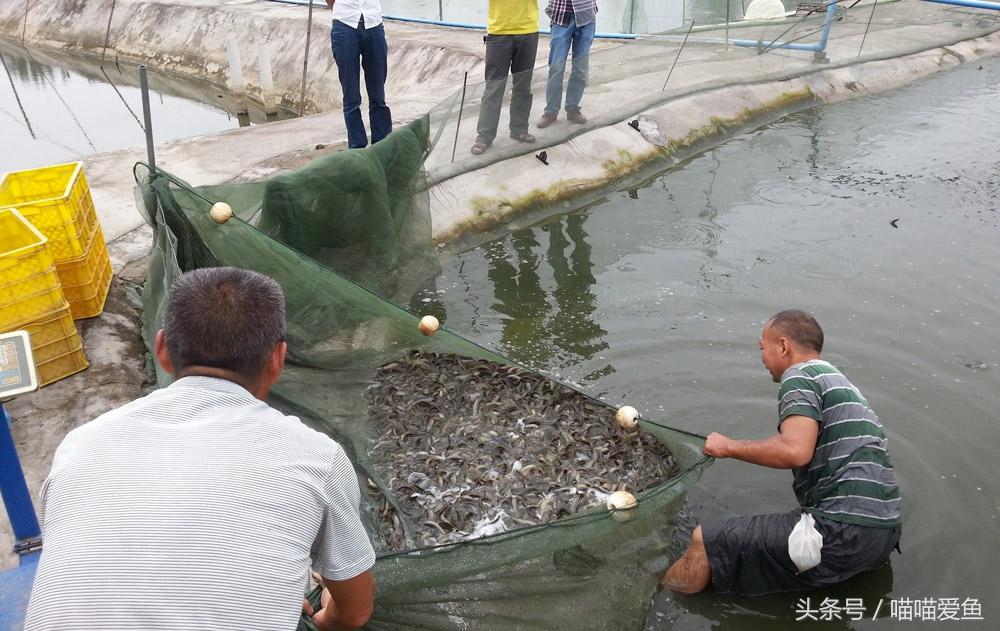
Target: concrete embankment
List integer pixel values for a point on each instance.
(188, 39)
(638, 128)
(713, 92)
(191, 38)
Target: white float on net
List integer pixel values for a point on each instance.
(428, 325)
(627, 417)
(221, 212)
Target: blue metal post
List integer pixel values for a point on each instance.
(14, 490)
(831, 10)
(818, 48)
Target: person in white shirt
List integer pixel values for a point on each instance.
(358, 40)
(199, 506)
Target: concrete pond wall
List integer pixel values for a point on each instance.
(713, 94)
(190, 38)
(617, 157)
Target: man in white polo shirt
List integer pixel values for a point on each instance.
(358, 40)
(199, 506)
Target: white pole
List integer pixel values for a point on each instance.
(237, 84)
(266, 76)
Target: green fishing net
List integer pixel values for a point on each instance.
(348, 239)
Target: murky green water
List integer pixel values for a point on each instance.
(656, 298)
(56, 107)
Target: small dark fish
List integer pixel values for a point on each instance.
(468, 448)
(543, 157)
(893, 222)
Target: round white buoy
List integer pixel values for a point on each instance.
(221, 212)
(627, 416)
(622, 503)
(428, 325)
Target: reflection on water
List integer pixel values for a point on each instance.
(878, 215)
(56, 108)
(867, 596)
(541, 325)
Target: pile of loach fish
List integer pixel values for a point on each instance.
(471, 448)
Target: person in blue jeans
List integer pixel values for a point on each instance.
(358, 40)
(574, 23)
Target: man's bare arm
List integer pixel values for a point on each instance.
(329, 3)
(792, 447)
(349, 604)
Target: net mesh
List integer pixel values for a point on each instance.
(349, 239)
(595, 567)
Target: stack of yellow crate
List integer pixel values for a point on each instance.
(56, 199)
(31, 299)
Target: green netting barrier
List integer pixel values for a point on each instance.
(348, 239)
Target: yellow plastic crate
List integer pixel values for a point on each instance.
(56, 199)
(86, 268)
(86, 280)
(87, 301)
(23, 250)
(29, 286)
(56, 346)
(30, 307)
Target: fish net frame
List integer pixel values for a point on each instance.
(490, 582)
(593, 570)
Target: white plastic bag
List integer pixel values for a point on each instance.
(805, 543)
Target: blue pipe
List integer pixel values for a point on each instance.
(831, 9)
(820, 46)
(973, 4)
(756, 43)
(13, 488)
(478, 27)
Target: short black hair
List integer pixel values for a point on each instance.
(224, 317)
(801, 327)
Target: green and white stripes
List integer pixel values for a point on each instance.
(850, 478)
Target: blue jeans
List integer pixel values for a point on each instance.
(355, 49)
(579, 38)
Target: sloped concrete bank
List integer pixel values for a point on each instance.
(190, 37)
(621, 155)
(709, 100)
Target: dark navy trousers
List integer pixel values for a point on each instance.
(354, 50)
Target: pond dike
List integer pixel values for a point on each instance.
(714, 91)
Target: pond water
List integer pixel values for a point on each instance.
(56, 108)
(878, 215)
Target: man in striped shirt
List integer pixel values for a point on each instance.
(199, 506)
(833, 442)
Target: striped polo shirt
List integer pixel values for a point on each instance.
(850, 478)
(196, 507)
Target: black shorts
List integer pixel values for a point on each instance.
(749, 555)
